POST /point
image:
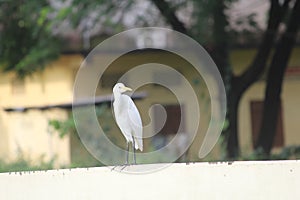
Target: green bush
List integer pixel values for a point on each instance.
(22, 164)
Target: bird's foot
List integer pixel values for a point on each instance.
(122, 167)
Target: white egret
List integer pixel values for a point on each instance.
(128, 119)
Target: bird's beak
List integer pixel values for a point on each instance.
(127, 89)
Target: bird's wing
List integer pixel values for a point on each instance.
(122, 118)
(136, 123)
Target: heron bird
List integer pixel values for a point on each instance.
(128, 119)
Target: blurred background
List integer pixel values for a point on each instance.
(255, 45)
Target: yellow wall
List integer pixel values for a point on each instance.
(30, 136)
(291, 112)
(290, 103)
(27, 133)
(51, 86)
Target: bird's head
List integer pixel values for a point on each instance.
(121, 88)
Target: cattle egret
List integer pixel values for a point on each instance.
(128, 119)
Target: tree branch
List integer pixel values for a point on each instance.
(274, 81)
(258, 65)
(169, 14)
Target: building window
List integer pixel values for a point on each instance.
(172, 122)
(18, 86)
(256, 118)
(165, 132)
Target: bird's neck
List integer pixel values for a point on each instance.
(117, 96)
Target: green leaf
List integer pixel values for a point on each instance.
(63, 13)
(43, 16)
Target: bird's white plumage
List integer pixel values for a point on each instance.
(127, 116)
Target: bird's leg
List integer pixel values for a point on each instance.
(126, 162)
(134, 156)
(127, 158)
(133, 149)
(127, 155)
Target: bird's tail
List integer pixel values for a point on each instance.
(138, 143)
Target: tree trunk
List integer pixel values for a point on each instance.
(274, 82)
(232, 146)
(239, 84)
(235, 86)
(220, 54)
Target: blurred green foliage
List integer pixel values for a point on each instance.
(64, 127)
(28, 29)
(80, 156)
(287, 153)
(26, 41)
(22, 164)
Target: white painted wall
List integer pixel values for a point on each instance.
(237, 180)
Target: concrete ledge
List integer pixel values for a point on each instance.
(236, 180)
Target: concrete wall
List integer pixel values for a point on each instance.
(237, 180)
